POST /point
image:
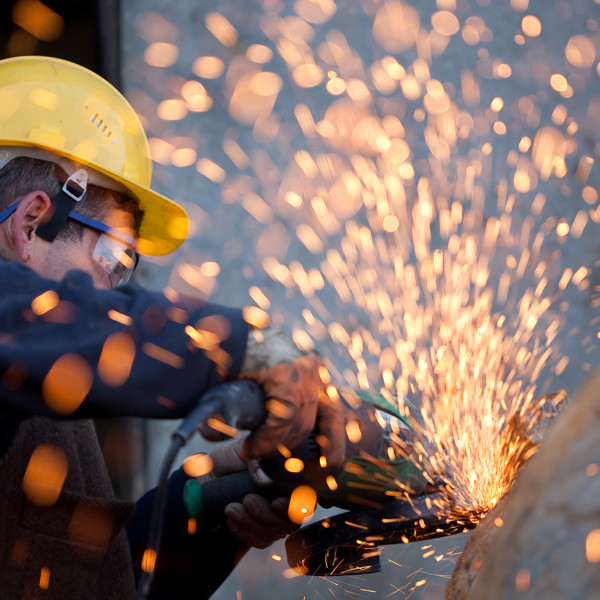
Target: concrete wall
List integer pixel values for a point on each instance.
(239, 218)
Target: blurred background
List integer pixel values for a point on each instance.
(289, 130)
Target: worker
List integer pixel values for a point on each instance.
(78, 342)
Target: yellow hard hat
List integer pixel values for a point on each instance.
(62, 107)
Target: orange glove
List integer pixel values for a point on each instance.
(297, 401)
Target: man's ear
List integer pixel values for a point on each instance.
(33, 210)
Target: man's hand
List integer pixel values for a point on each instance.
(255, 521)
(297, 401)
(258, 523)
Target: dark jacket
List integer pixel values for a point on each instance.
(67, 545)
(41, 322)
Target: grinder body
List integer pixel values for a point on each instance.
(379, 466)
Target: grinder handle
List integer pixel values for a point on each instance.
(207, 501)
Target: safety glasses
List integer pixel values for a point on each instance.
(116, 252)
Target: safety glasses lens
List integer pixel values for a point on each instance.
(116, 258)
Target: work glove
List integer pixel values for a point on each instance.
(297, 400)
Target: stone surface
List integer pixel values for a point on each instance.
(531, 426)
(481, 542)
(547, 546)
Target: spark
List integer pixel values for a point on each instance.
(120, 317)
(45, 302)
(161, 54)
(67, 383)
(116, 359)
(149, 560)
(38, 19)
(44, 578)
(45, 475)
(221, 427)
(426, 209)
(523, 580)
(200, 464)
(592, 546)
(162, 354)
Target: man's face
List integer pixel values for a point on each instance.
(55, 259)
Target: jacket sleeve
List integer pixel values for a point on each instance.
(191, 563)
(127, 351)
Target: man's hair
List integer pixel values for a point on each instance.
(22, 175)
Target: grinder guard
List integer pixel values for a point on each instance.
(349, 543)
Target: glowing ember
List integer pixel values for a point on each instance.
(45, 578)
(149, 560)
(45, 475)
(302, 504)
(592, 546)
(67, 384)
